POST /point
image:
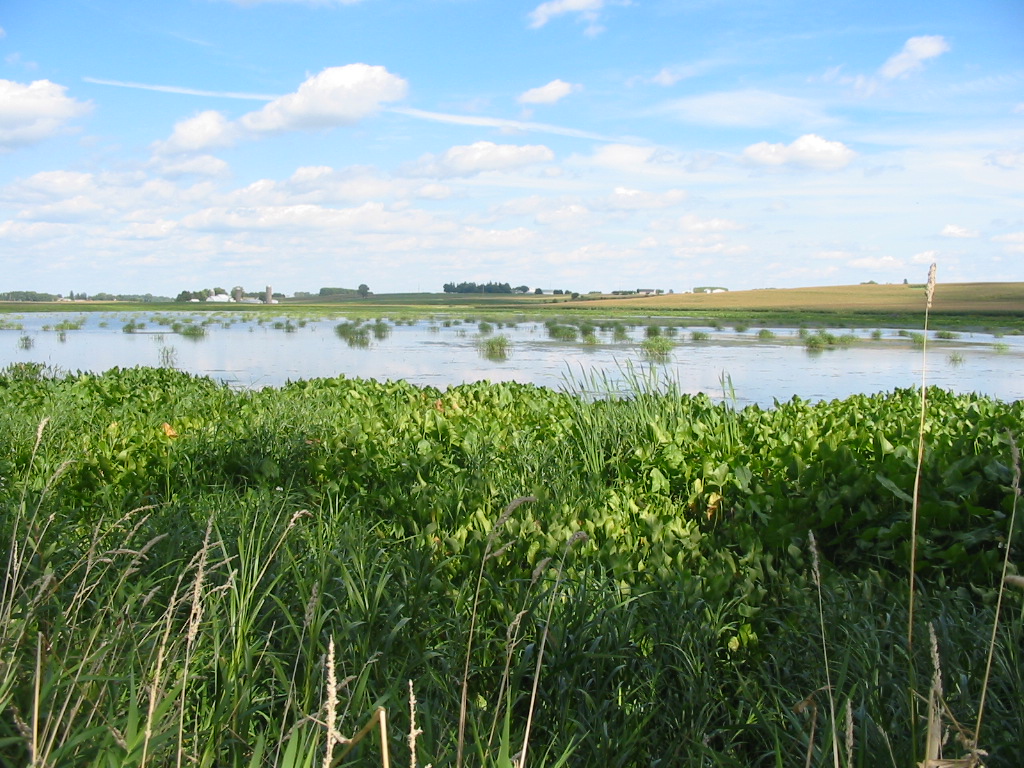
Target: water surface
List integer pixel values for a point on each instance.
(444, 351)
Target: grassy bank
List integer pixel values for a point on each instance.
(201, 576)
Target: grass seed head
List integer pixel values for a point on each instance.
(539, 570)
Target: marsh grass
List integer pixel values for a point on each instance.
(657, 348)
(196, 628)
(494, 348)
(939, 719)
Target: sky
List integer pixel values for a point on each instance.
(583, 145)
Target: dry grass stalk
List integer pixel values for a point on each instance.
(414, 732)
(938, 715)
(331, 708)
(156, 687)
(464, 696)
(933, 739)
(1006, 579)
(379, 719)
(816, 572)
(195, 620)
(809, 704)
(578, 537)
(929, 295)
(849, 733)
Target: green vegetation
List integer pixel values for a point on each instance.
(197, 573)
(494, 347)
(824, 340)
(354, 333)
(194, 331)
(657, 348)
(561, 331)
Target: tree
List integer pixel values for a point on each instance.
(364, 290)
(537, 291)
(522, 289)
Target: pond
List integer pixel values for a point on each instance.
(750, 366)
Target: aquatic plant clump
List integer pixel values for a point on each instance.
(657, 348)
(494, 348)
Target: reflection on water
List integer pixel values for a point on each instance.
(256, 354)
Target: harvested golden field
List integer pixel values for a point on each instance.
(949, 297)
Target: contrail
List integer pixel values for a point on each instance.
(179, 89)
(498, 122)
(418, 114)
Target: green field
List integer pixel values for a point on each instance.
(201, 576)
(976, 306)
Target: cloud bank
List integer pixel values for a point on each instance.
(34, 112)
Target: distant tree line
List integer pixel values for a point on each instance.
(27, 296)
(363, 290)
(144, 298)
(484, 288)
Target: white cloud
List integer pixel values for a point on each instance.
(747, 108)
(924, 257)
(691, 223)
(622, 156)
(206, 130)
(335, 96)
(1006, 159)
(75, 208)
(808, 151)
(484, 156)
(1014, 241)
(915, 52)
(201, 165)
(544, 12)
(494, 239)
(877, 262)
(33, 112)
(626, 199)
(369, 217)
(954, 230)
(433, 192)
(52, 185)
(568, 216)
(551, 93)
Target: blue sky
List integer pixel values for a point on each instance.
(577, 144)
